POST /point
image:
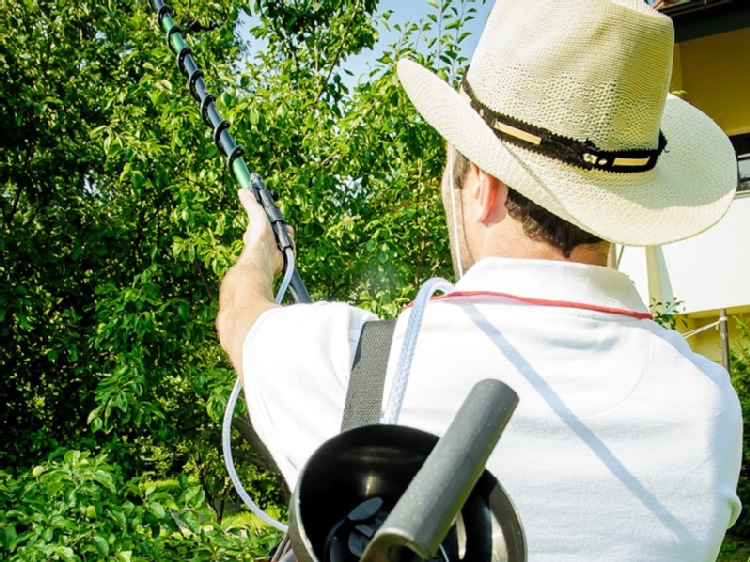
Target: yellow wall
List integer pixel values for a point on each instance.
(714, 72)
(708, 342)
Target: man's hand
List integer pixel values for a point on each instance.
(247, 288)
(260, 249)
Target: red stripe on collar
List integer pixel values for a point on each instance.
(546, 302)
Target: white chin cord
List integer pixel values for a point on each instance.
(226, 427)
(454, 208)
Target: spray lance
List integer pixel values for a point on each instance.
(251, 181)
(225, 143)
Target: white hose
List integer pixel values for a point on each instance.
(395, 400)
(226, 427)
(403, 368)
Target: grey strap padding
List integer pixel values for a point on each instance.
(364, 395)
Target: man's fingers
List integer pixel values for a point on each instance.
(256, 213)
(249, 203)
(259, 239)
(257, 223)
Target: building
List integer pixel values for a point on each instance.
(709, 273)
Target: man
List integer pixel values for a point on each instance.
(562, 139)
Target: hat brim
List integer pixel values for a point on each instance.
(688, 191)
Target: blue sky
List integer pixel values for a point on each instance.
(405, 11)
(414, 10)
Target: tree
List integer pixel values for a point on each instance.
(118, 218)
(108, 310)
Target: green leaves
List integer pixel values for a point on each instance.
(118, 219)
(79, 507)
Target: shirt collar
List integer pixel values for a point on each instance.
(554, 280)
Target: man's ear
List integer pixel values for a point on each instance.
(486, 194)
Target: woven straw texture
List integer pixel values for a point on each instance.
(590, 70)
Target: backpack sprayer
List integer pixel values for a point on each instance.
(383, 492)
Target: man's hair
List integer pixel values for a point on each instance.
(538, 223)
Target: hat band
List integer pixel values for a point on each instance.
(584, 155)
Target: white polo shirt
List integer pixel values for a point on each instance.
(625, 444)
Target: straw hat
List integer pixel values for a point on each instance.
(566, 102)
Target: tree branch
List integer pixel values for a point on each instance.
(337, 56)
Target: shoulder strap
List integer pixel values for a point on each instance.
(364, 394)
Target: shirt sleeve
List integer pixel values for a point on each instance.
(296, 362)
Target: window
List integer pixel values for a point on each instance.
(742, 148)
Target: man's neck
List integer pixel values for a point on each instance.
(507, 240)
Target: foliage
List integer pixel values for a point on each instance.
(667, 314)
(79, 507)
(356, 172)
(115, 231)
(118, 219)
(103, 321)
(740, 372)
(733, 550)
